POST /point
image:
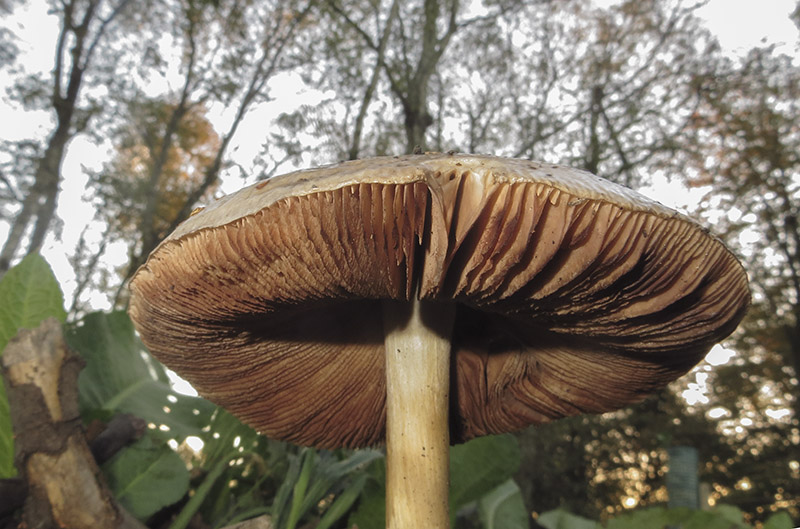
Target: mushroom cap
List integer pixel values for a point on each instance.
(573, 294)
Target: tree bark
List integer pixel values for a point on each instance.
(65, 487)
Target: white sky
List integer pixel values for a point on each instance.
(739, 24)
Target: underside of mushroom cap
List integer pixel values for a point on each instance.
(573, 295)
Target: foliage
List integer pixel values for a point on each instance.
(608, 90)
(503, 508)
(121, 377)
(161, 160)
(721, 517)
(83, 29)
(124, 183)
(146, 477)
(29, 294)
(745, 154)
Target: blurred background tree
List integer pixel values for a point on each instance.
(82, 56)
(192, 98)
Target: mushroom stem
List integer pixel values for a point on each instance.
(417, 339)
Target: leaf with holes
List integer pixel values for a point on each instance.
(121, 377)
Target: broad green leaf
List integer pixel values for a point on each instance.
(659, 517)
(29, 294)
(503, 508)
(729, 513)
(146, 477)
(561, 519)
(121, 377)
(780, 520)
(721, 517)
(226, 435)
(477, 467)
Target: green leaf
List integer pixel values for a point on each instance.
(279, 512)
(146, 477)
(341, 505)
(371, 510)
(730, 514)
(121, 377)
(656, 517)
(313, 476)
(722, 517)
(29, 294)
(308, 457)
(780, 520)
(561, 519)
(199, 497)
(250, 460)
(226, 436)
(503, 508)
(477, 467)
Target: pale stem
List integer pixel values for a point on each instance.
(417, 339)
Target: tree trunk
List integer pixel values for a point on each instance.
(595, 109)
(417, 121)
(40, 204)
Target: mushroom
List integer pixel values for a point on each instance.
(424, 300)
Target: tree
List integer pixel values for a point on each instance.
(615, 91)
(138, 207)
(418, 43)
(609, 90)
(745, 143)
(747, 154)
(168, 156)
(383, 62)
(83, 32)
